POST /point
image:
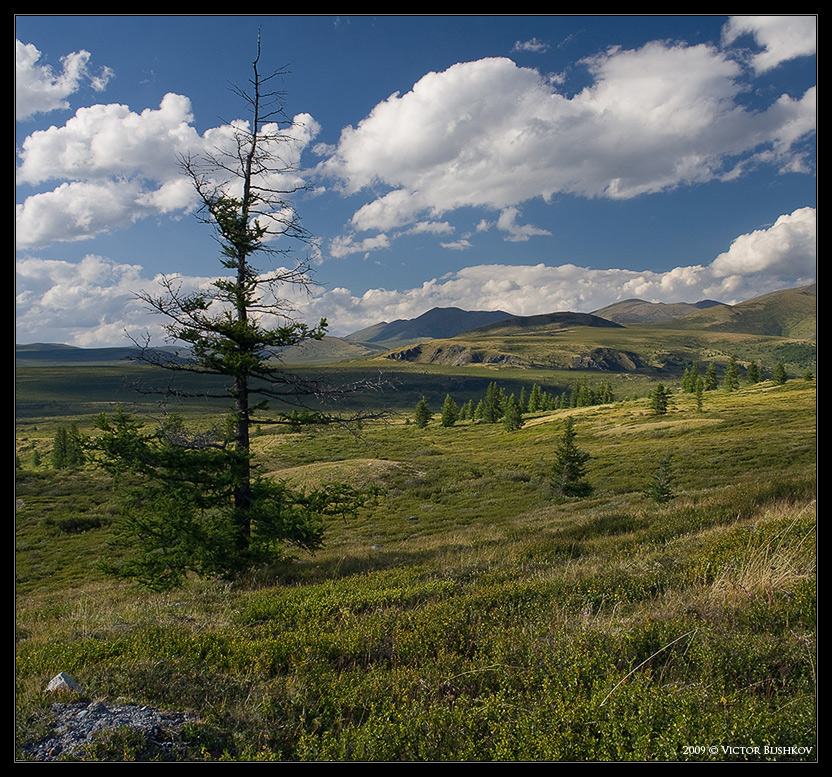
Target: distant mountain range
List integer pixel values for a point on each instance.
(436, 323)
(637, 311)
(57, 352)
(789, 314)
(655, 337)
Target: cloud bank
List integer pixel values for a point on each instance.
(772, 258)
(92, 303)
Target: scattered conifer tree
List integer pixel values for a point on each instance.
(731, 379)
(711, 382)
(690, 378)
(699, 391)
(569, 468)
(778, 374)
(450, 411)
(535, 399)
(422, 414)
(67, 448)
(661, 487)
(512, 416)
(605, 393)
(492, 404)
(660, 399)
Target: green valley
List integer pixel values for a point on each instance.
(473, 612)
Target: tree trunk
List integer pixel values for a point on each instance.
(242, 491)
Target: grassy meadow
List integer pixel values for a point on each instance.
(472, 614)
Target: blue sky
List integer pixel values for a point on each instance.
(525, 163)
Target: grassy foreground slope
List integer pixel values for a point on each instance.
(472, 615)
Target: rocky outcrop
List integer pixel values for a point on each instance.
(76, 722)
(452, 354)
(411, 354)
(607, 359)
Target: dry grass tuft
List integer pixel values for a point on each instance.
(772, 561)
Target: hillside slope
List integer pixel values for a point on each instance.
(638, 311)
(789, 313)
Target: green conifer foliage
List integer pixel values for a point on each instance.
(661, 487)
(535, 399)
(513, 416)
(422, 414)
(450, 411)
(711, 381)
(569, 468)
(660, 399)
(731, 379)
(778, 374)
(492, 404)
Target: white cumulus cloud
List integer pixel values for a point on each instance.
(114, 166)
(492, 134)
(86, 303)
(787, 248)
(40, 89)
(781, 37)
(507, 222)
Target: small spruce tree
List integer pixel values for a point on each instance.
(661, 487)
(59, 447)
(778, 374)
(660, 399)
(450, 411)
(535, 399)
(67, 448)
(690, 378)
(731, 380)
(492, 408)
(569, 468)
(699, 391)
(711, 381)
(605, 393)
(422, 414)
(513, 415)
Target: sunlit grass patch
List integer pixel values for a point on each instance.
(469, 615)
(355, 472)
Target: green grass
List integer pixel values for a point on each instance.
(470, 616)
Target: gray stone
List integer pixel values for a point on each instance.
(64, 682)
